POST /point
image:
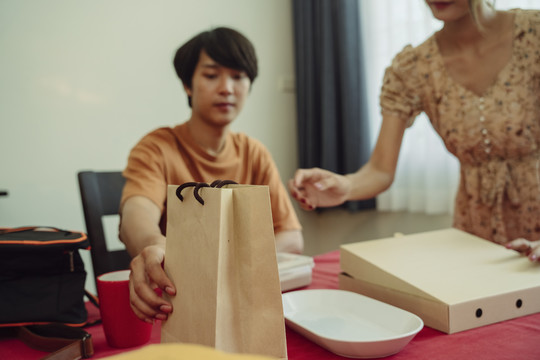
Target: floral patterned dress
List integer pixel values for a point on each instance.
(495, 135)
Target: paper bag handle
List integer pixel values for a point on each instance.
(215, 184)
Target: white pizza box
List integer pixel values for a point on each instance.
(453, 280)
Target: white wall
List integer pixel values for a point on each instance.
(82, 81)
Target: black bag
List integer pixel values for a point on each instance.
(42, 291)
(42, 277)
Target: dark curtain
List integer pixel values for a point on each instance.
(333, 131)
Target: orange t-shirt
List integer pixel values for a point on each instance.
(171, 156)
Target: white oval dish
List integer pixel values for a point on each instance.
(349, 324)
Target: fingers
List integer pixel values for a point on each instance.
(316, 187)
(153, 260)
(305, 183)
(300, 195)
(534, 253)
(304, 176)
(521, 245)
(325, 183)
(146, 277)
(529, 248)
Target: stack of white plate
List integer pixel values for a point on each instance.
(294, 270)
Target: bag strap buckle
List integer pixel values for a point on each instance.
(87, 347)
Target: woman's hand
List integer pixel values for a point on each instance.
(147, 275)
(316, 187)
(529, 248)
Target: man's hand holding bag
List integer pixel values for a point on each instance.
(221, 256)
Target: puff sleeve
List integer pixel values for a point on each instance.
(400, 93)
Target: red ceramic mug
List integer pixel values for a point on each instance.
(121, 326)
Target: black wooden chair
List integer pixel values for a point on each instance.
(100, 195)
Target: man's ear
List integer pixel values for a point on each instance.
(187, 90)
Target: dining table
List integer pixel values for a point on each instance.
(513, 339)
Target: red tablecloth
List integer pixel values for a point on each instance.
(513, 339)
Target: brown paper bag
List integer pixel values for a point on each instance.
(221, 257)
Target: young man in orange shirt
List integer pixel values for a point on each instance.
(217, 69)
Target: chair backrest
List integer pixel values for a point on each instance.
(100, 195)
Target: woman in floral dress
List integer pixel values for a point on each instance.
(478, 81)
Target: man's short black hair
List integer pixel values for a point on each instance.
(226, 46)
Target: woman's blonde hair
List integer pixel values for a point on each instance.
(475, 6)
